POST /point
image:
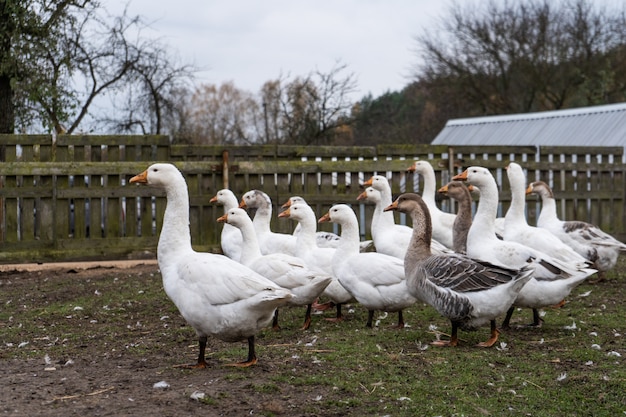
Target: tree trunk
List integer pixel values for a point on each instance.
(7, 111)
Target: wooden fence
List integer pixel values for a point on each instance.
(69, 198)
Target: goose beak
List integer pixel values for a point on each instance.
(392, 206)
(140, 178)
(213, 199)
(368, 183)
(325, 218)
(443, 189)
(223, 219)
(461, 177)
(287, 204)
(285, 213)
(242, 204)
(529, 189)
(362, 196)
(411, 168)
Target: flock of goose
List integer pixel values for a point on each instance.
(471, 269)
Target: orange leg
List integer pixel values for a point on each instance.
(201, 361)
(454, 339)
(251, 356)
(494, 336)
(323, 307)
(307, 318)
(339, 316)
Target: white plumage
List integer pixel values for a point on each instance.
(442, 221)
(319, 257)
(517, 229)
(587, 239)
(304, 282)
(215, 295)
(269, 241)
(552, 280)
(230, 237)
(374, 279)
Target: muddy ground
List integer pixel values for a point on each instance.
(110, 364)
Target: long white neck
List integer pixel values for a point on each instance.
(306, 239)
(517, 183)
(175, 235)
(487, 211)
(548, 210)
(250, 249)
(381, 219)
(262, 218)
(428, 193)
(349, 243)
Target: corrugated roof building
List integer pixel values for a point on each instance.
(587, 126)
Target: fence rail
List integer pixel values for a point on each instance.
(69, 198)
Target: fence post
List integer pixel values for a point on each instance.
(225, 169)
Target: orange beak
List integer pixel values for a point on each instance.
(140, 178)
(285, 213)
(461, 177)
(223, 219)
(392, 206)
(325, 218)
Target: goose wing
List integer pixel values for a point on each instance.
(463, 274)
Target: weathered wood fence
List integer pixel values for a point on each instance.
(69, 198)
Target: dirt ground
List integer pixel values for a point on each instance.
(108, 369)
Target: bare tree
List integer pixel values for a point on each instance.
(309, 110)
(223, 115)
(524, 56)
(85, 55)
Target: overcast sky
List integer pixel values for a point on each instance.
(250, 42)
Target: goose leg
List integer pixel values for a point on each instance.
(201, 360)
(494, 336)
(400, 320)
(370, 318)
(339, 316)
(537, 321)
(506, 323)
(454, 338)
(251, 355)
(275, 325)
(307, 318)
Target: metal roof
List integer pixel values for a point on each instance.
(585, 126)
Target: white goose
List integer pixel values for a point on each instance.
(269, 241)
(552, 281)
(442, 221)
(231, 237)
(215, 295)
(307, 249)
(517, 229)
(305, 283)
(323, 239)
(390, 238)
(374, 279)
(469, 293)
(587, 239)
